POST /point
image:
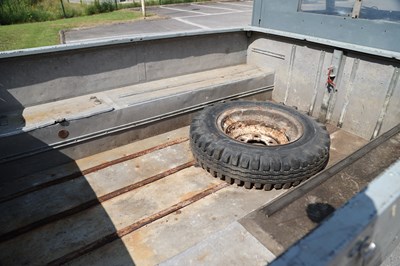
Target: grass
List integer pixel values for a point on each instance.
(38, 34)
(22, 11)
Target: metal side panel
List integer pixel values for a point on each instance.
(42, 75)
(275, 54)
(363, 232)
(391, 115)
(303, 79)
(138, 109)
(365, 90)
(257, 8)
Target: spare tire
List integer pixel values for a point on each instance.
(260, 144)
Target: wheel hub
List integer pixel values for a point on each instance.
(257, 134)
(260, 126)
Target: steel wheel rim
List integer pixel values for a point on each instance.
(260, 126)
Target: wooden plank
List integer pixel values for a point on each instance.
(60, 238)
(246, 250)
(156, 242)
(181, 230)
(135, 226)
(53, 200)
(24, 185)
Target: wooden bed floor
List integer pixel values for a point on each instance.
(144, 203)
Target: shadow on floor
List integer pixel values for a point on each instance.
(48, 216)
(317, 212)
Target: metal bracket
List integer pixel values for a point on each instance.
(356, 9)
(363, 249)
(329, 99)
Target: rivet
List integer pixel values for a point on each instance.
(63, 133)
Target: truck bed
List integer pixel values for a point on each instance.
(144, 203)
(86, 177)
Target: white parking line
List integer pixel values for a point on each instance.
(215, 7)
(191, 23)
(234, 4)
(183, 10)
(215, 14)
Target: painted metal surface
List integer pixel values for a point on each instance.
(343, 159)
(128, 210)
(123, 206)
(330, 94)
(364, 86)
(115, 41)
(40, 116)
(293, 83)
(285, 16)
(328, 42)
(107, 140)
(132, 106)
(363, 232)
(388, 99)
(84, 71)
(296, 220)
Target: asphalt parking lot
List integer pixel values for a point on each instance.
(172, 18)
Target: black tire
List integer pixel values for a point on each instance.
(282, 165)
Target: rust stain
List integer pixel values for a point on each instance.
(63, 133)
(98, 167)
(140, 249)
(135, 226)
(189, 195)
(195, 192)
(202, 257)
(132, 156)
(91, 203)
(254, 131)
(145, 182)
(171, 209)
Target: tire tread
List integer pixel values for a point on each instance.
(256, 170)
